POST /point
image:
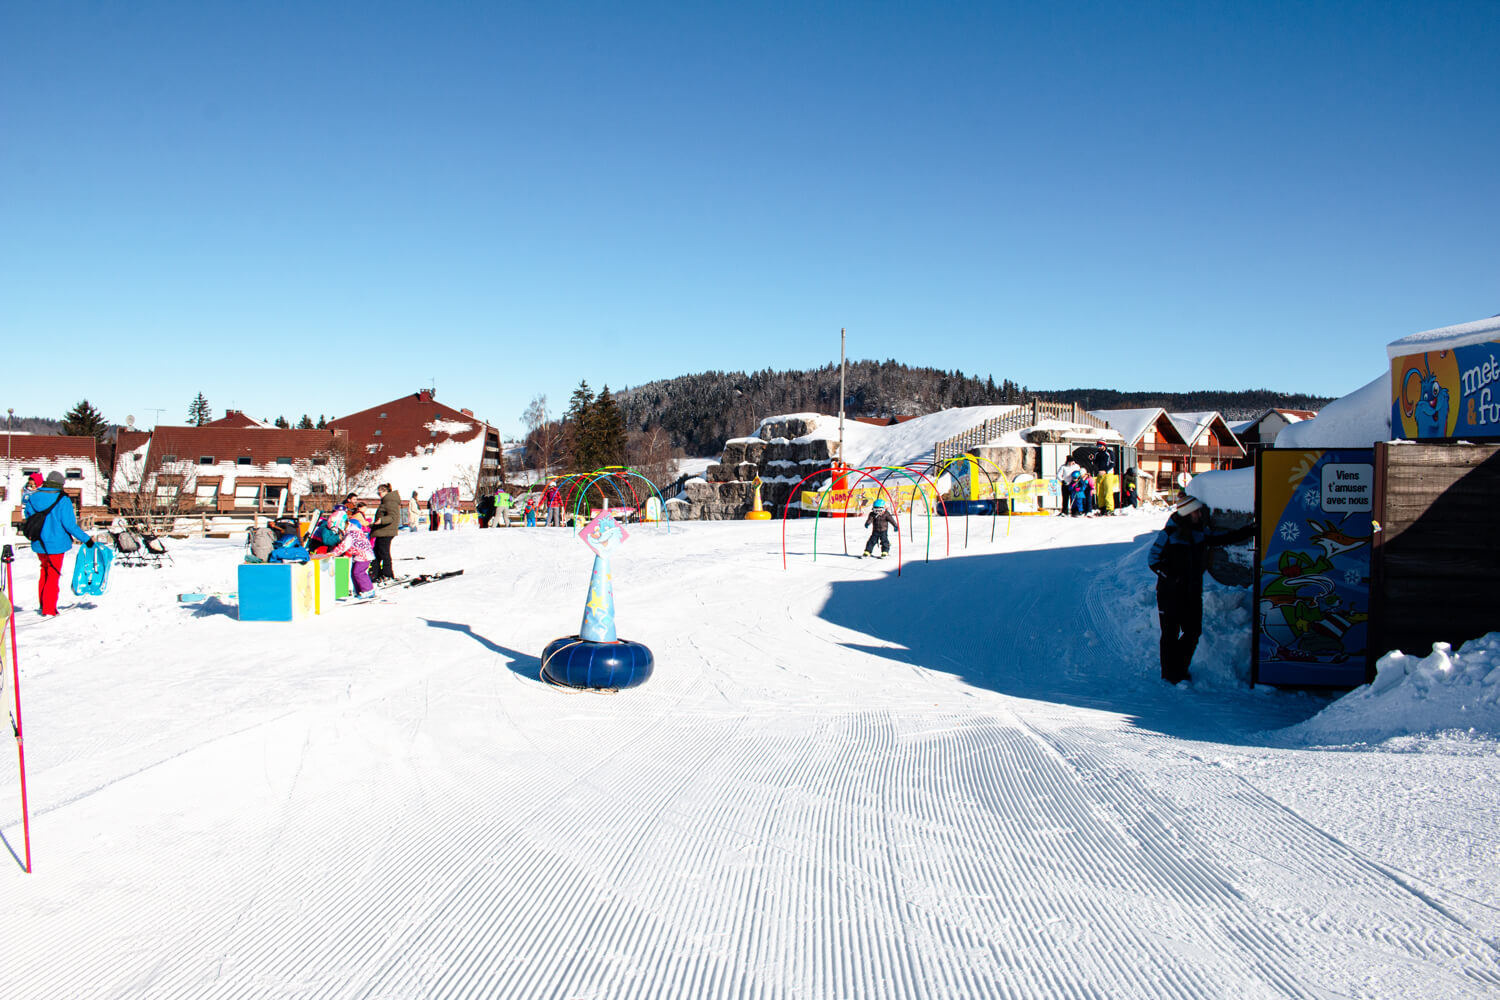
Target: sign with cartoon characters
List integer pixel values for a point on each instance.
(1452, 393)
(1312, 589)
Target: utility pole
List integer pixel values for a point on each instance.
(841, 396)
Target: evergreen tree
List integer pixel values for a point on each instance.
(578, 429)
(305, 424)
(607, 422)
(281, 422)
(84, 421)
(199, 412)
(322, 422)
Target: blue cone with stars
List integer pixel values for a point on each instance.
(596, 657)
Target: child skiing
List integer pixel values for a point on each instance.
(879, 521)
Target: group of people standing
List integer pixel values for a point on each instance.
(1090, 485)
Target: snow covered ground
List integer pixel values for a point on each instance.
(962, 781)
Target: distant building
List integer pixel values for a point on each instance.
(235, 418)
(1261, 432)
(81, 460)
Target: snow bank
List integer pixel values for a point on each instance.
(1444, 693)
(1227, 489)
(1358, 420)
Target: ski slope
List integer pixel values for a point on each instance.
(962, 781)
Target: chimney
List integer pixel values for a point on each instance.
(467, 413)
(424, 396)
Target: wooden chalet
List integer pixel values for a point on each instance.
(1210, 443)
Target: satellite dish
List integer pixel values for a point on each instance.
(130, 421)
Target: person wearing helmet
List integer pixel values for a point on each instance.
(880, 520)
(1178, 557)
(355, 544)
(1067, 478)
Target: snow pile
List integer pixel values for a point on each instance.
(1441, 693)
(1358, 420)
(1226, 489)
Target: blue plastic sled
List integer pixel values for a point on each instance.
(91, 570)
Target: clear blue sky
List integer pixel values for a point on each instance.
(316, 207)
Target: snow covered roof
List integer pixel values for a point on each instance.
(1193, 425)
(1357, 420)
(1446, 338)
(1132, 424)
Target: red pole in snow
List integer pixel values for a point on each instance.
(7, 556)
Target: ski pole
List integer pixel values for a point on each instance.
(7, 555)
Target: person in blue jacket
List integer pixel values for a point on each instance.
(1178, 557)
(59, 528)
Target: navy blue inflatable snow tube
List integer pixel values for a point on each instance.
(575, 662)
(960, 508)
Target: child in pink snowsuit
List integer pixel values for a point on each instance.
(356, 545)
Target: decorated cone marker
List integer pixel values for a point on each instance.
(757, 514)
(596, 657)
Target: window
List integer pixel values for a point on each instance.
(243, 460)
(27, 470)
(427, 450)
(271, 495)
(372, 448)
(317, 488)
(320, 461)
(207, 495)
(247, 497)
(167, 495)
(377, 432)
(382, 417)
(168, 459)
(73, 473)
(206, 460)
(283, 461)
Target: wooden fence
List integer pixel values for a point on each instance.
(1022, 416)
(1436, 553)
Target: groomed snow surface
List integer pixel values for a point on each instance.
(962, 781)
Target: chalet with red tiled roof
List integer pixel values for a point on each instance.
(225, 468)
(81, 460)
(417, 443)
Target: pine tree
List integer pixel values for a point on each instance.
(578, 429)
(322, 422)
(281, 422)
(608, 425)
(199, 412)
(305, 424)
(84, 421)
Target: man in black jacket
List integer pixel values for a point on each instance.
(1178, 557)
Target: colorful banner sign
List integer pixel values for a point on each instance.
(1312, 590)
(1446, 394)
(839, 501)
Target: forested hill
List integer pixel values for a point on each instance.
(701, 411)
